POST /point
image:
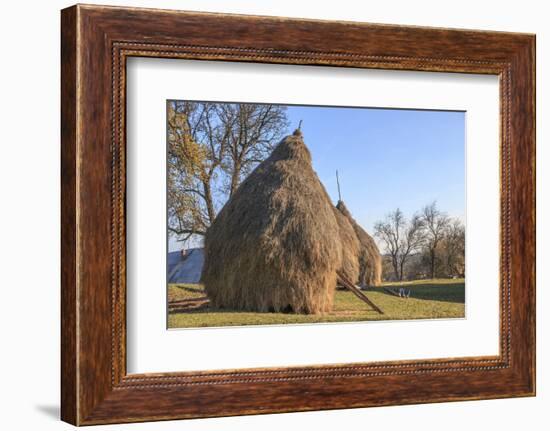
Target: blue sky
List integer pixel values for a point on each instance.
(387, 158)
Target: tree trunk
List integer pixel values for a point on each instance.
(235, 178)
(209, 201)
(395, 267)
(432, 263)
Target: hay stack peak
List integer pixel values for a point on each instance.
(275, 245)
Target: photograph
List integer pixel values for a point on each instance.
(297, 214)
(305, 214)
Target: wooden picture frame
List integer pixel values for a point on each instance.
(95, 43)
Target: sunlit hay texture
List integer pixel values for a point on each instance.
(370, 261)
(350, 247)
(275, 245)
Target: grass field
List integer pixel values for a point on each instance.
(429, 299)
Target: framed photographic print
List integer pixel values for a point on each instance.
(268, 215)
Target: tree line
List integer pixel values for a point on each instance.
(429, 244)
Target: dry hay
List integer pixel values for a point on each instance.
(350, 247)
(369, 259)
(275, 245)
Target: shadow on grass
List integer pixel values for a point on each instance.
(444, 292)
(188, 288)
(190, 305)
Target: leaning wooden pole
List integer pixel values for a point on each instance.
(344, 281)
(338, 184)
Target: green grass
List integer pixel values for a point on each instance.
(430, 299)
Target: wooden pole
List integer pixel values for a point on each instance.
(338, 184)
(344, 281)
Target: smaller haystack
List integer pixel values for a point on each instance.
(368, 257)
(275, 245)
(350, 247)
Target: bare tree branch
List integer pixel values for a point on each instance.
(212, 147)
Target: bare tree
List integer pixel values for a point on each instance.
(253, 132)
(454, 248)
(401, 238)
(435, 224)
(212, 147)
(195, 153)
(414, 239)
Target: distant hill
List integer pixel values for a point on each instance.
(185, 269)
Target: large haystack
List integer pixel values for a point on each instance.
(275, 245)
(370, 261)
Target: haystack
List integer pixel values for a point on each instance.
(275, 245)
(369, 259)
(350, 247)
